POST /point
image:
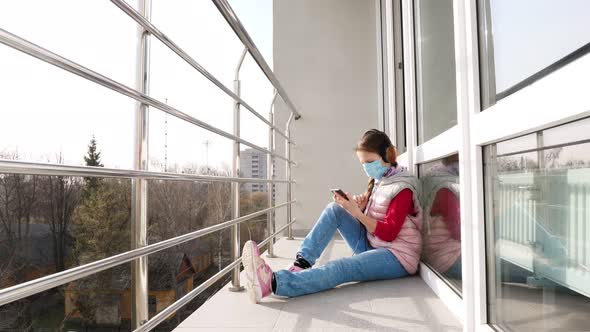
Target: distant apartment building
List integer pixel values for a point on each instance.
(253, 165)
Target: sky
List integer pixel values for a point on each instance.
(46, 111)
(522, 32)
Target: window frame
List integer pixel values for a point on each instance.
(392, 72)
(489, 95)
(492, 190)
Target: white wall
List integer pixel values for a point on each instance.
(326, 57)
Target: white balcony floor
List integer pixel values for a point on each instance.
(406, 304)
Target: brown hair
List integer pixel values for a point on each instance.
(378, 142)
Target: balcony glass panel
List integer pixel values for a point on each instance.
(435, 68)
(538, 232)
(525, 40)
(442, 219)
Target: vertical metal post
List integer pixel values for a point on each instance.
(139, 267)
(288, 170)
(235, 186)
(270, 176)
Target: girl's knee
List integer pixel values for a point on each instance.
(334, 207)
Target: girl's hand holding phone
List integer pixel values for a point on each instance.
(361, 201)
(349, 204)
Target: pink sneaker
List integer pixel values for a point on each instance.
(294, 268)
(258, 273)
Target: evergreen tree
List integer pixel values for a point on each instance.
(92, 158)
(101, 229)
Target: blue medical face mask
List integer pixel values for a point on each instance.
(374, 169)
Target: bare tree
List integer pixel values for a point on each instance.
(61, 196)
(255, 228)
(18, 195)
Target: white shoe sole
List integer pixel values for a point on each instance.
(252, 284)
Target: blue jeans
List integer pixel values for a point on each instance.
(367, 263)
(455, 270)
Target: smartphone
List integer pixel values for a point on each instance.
(339, 192)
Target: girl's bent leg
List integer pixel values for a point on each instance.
(375, 264)
(333, 218)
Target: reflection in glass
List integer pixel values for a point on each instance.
(442, 227)
(435, 68)
(538, 232)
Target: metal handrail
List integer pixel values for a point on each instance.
(174, 307)
(35, 286)
(232, 19)
(43, 54)
(288, 173)
(270, 174)
(235, 188)
(32, 168)
(239, 67)
(139, 187)
(148, 26)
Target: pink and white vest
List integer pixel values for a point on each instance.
(441, 251)
(407, 246)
